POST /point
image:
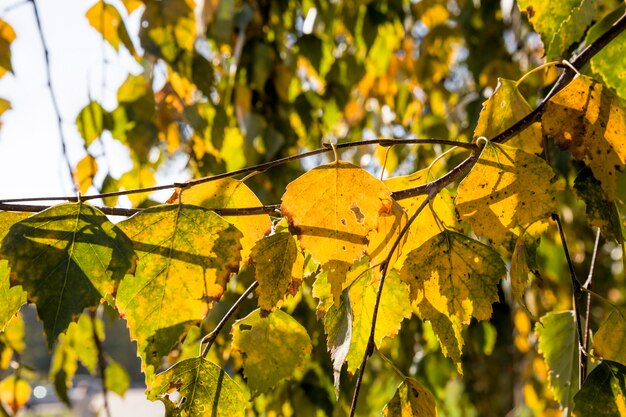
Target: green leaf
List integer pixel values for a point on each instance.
(558, 343)
(505, 107)
(604, 392)
(601, 212)
(67, 258)
(186, 255)
(609, 342)
(506, 189)
(411, 399)
(272, 347)
(90, 122)
(455, 277)
(561, 24)
(603, 63)
(198, 388)
(11, 298)
(278, 265)
(105, 18)
(116, 378)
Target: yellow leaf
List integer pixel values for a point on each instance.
(231, 193)
(332, 209)
(609, 341)
(7, 36)
(105, 18)
(411, 399)
(506, 189)
(14, 392)
(132, 5)
(139, 177)
(589, 121)
(86, 169)
(458, 277)
(505, 107)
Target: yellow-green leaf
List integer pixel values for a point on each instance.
(505, 107)
(604, 392)
(105, 18)
(90, 122)
(84, 173)
(116, 378)
(609, 342)
(231, 193)
(272, 347)
(7, 36)
(458, 277)
(588, 120)
(507, 188)
(67, 258)
(12, 297)
(411, 399)
(139, 177)
(332, 209)
(198, 388)
(278, 264)
(186, 256)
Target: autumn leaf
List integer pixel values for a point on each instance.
(170, 29)
(116, 377)
(332, 209)
(67, 258)
(85, 171)
(558, 343)
(587, 119)
(505, 107)
(608, 341)
(105, 18)
(7, 36)
(411, 399)
(273, 347)
(12, 297)
(338, 326)
(278, 266)
(15, 392)
(455, 277)
(186, 255)
(199, 388)
(507, 188)
(604, 392)
(231, 193)
(91, 122)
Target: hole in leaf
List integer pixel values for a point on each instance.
(245, 327)
(357, 213)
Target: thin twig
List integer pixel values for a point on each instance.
(576, 293)
(209, 339)
(101, 362)
(12, 7)
(384, 269)
(588, 286)
(53, 97)
(256, 168)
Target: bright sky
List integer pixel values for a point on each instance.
(31, 160)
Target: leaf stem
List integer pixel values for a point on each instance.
(534, 70)
(588, 286)
(576, 293)
(209, 339)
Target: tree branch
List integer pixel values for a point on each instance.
(53, 97)
(588, 286)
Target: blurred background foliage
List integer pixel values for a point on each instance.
(229, 84)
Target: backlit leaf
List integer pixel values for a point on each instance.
(186, 255)
(67, 258)
(90, 122)
(272, 347)
(505, 107)
(116, 378)
(331, 209)
(231, 193)
(604, 392)
(4, 106)
(609, 342)
(458, 278)
(7, 36)
(132, 5)
(278, 264)
(603, 63)
(14, 392)
(138, 177)
(105, 18)
(170, 28)
(84, 173)
(411, 399)
(12, 297)
(560, 24)
(338, 327)
(506, 189)
(588, 120)
(198, 388)
(558, 343)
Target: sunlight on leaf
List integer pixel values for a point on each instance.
(67, 258)
(14, 392)
(105, 18)
(272, 347)
(604, 392)
(11, 298)
(332, 209)
(506, 189)
(170, 28)
(7, 36)
(603, 63)
(85, 171)
(196, 387)
(588, 120)
(609, 342)
(411, 399)
(338, 327)
(505, 107)
(90, 122)
(186, 256)
(558, 343)
(116, 378)
(231, 193)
